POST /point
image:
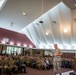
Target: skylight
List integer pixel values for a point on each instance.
(2, 2)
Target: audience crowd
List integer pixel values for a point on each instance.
(17, 64)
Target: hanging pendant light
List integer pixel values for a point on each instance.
(41, 12)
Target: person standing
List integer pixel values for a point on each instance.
(57, 60)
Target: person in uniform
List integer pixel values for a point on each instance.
(1, 65)
(57, 60)
(22, 65)
(5, 65)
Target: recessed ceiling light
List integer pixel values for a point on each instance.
(65, 30)
(46, 33)
(30, 46)
(18, 44)
(11, 43)
(25, 45)
(24, 13)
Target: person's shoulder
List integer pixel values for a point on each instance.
(59, 49)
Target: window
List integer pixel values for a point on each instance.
(12, 50)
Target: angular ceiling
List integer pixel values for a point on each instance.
(58, 27)
(57, 16)
(12, 12)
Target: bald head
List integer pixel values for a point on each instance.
(55, 46)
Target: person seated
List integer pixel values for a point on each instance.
(21, 65)
(44, 65)
(32, 62)
(5, 66)
(1, 65)
(38, 63)
(12, 67)
(48, 63)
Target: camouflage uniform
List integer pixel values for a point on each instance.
(1, 66)
(12, 66)
(38, 64)
(5, 66)
(57, 62)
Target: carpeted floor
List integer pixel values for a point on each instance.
(31, 71)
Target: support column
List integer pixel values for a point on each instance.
(31, 52)
(23, 52)
(0, 49)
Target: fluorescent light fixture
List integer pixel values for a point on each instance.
(2, 2)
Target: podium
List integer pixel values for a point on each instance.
(75, 64)
(74, 73)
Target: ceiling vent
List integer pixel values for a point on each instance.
(41, 22)
(54, 22)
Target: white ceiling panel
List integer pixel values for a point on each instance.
(33, 34)
(74, 27)
(56, 17)
(47, 28)
(65, 23)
